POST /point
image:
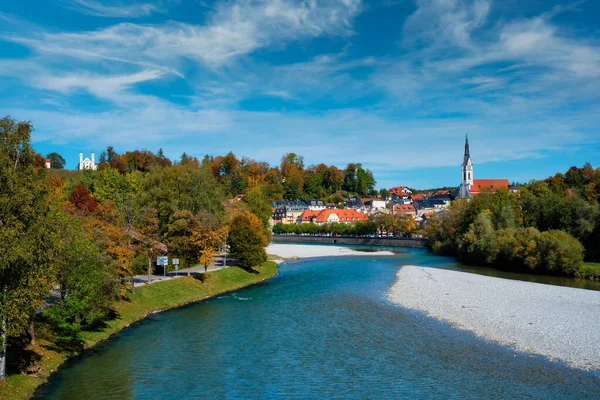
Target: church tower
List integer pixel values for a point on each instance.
(467, 165)
(467, 173)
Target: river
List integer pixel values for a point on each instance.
(323, 328)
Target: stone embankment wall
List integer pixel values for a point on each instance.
(374, 241)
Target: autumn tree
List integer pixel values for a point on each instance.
(257, 202)
(208, 236)
(82, 200)
(292, 167)
(26, 234)
(247, 241)
(182, 226)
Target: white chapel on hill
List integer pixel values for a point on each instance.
(87, 163)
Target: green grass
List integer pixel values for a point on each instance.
(589, 271)
(147, 300)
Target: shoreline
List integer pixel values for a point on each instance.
(560, 323)
(298, 251)
(148, 300)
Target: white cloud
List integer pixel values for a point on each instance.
(235, 29)
(119, 10)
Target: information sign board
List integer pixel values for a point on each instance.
(164, 260)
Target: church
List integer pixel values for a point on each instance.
(87, 163)
(473, 187)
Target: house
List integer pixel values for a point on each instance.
(345, 216)
(445, 199)
(405, 209)
(400, 190)
(47, 163)
(278, 215)
(374, 203)
(293, 212)
(354, 203)
(416, 197)
(307, 217)
(315, 204)
(423, 207)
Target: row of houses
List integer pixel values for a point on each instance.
(356, 209)
(317, 211)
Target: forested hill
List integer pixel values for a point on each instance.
(291, 179)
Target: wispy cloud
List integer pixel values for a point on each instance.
(109, 9)
(234, 30)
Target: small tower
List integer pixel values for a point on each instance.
(93, 160)
(47, 163)
(467, 173)
(80, 159)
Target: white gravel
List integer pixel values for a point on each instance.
(560, 323)
(307, 251)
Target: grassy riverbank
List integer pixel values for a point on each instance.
(590, 271)
(48, 355)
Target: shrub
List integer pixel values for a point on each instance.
(560, 252)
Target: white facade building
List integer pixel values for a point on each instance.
(87, 163)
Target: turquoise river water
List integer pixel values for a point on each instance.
(323, 328)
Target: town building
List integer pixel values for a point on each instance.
(405, 209)
(469, 186)
(400, 190)
(345, 216)
(47, 163)
(374, 203)
(87, 163)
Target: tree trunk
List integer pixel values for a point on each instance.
(32, 331)
(149, 267)
(3, 350)
(132, 285)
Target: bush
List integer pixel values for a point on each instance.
(560, 252)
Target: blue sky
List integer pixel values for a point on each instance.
(394, 84)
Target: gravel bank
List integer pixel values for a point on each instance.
(560, 323)
(307, 251)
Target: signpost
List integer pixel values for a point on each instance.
(164, 262)
(176, 264)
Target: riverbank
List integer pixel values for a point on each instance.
(147, 300)
(352, 240)
(291, 251)
(560, 323)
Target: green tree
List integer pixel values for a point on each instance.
(258, 203)
(86, 278)
(179, 237)
(247, 241)
(56, 160)
(27, 239)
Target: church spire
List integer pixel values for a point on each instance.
(467, 154)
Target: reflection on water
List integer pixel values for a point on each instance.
(322, 328)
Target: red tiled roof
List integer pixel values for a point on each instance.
(307, 215)
(488, 184)
(344, 215)
(397, 190)
(404, 207)
(417, 197)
